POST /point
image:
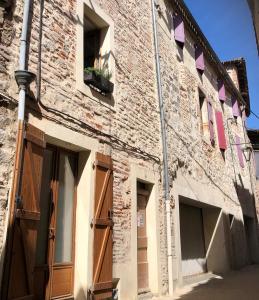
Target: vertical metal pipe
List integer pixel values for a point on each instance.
(22, 58)
(24, 34)
(165, 157)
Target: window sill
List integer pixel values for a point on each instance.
(100, 83)
(206, 142)
(103, 100)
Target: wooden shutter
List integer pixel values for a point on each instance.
(103, 224)
(239, 152)
(27, 216)
(235, 107)
(211, 123)
(221, 90)
(199, 58)
(179, 35)
(221, 131)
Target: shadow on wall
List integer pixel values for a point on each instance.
(247, 203)
(212, 240)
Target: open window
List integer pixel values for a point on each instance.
(97, 72)
(203, 112)
(95, 64)
(92, 36)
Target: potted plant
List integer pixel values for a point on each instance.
(99, 78)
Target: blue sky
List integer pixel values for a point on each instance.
(228, 26)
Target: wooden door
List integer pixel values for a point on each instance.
(55, 245)
(42, 270)
(102, 225)
(62, 223)
(27, 216)
(142, 242)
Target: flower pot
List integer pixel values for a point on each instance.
(99, 82)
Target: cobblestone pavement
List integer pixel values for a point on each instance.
(236, 285)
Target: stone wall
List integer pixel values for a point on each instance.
(129, 128)
(197, 168)
(7, 152)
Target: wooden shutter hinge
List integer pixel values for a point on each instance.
(102, 222)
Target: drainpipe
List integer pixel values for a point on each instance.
(165, 157)
(23, 78)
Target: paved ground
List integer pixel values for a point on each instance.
(236, 285)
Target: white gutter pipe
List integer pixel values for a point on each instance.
(165, 157)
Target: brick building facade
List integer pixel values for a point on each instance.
(212, 216)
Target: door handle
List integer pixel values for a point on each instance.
(51, 233)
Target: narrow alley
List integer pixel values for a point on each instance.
(235, 285)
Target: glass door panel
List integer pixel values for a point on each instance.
(65, 204)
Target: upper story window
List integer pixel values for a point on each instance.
(206, 118)
(92, 49)
(202, 112)
(96, 66)
(95, 62)
(211, 123)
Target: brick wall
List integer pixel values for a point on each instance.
(133, 122)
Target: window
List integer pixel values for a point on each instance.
(211, 123)
(95, 63)
(203, 112)
(91, 47)
(96, 59)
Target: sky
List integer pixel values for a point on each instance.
(227, 24)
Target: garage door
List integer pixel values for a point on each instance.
(192, 240)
